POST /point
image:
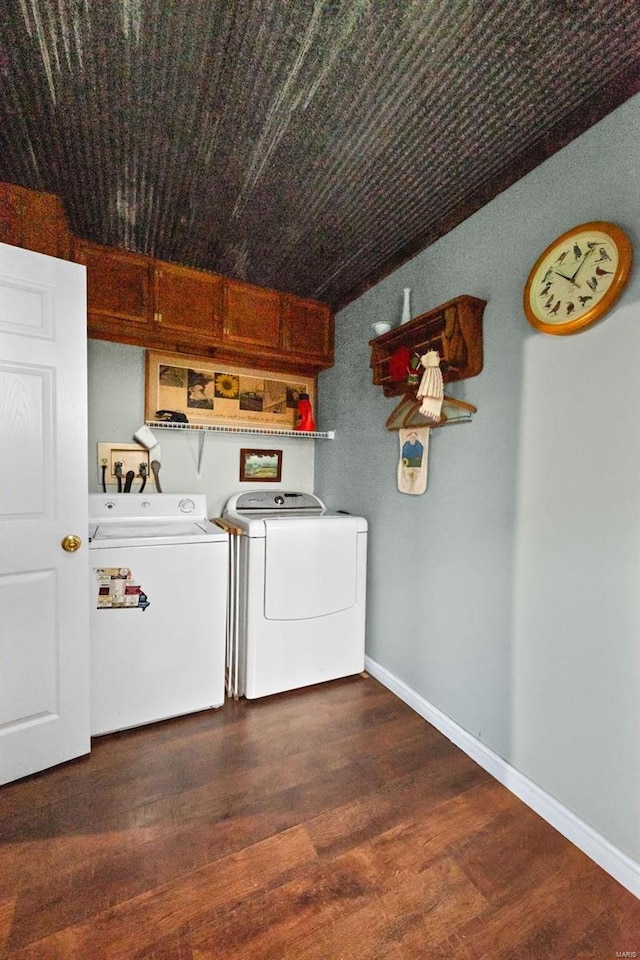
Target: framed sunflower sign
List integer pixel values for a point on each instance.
(215, 392)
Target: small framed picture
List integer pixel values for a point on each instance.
(260, 466)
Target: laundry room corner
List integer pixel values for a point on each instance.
(506, 596)
(116, 391)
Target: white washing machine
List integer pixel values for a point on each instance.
(158, 594)
(298, 591)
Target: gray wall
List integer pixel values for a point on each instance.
(507, 595)
(116, 410)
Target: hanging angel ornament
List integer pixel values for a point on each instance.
(431, 389)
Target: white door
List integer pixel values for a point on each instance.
(44, 643)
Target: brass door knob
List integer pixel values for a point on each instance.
(71, 543)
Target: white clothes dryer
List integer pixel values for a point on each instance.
(298, 592)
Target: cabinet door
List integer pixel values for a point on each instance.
(307, 328)
(34, 221)
(252, 316)
(188, 301)
(118, 285)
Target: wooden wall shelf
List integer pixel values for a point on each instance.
(454, 329)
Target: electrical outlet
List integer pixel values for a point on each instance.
(130, 455)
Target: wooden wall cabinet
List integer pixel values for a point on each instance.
(252, 316)
(119, 286)
(307, 328)
(454, 329)
(34, 220)
(283, 325)
(136, 299)
(188, 302)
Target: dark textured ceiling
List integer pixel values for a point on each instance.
(307, 146)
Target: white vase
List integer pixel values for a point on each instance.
(406, 307)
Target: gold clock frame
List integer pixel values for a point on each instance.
(619, 282)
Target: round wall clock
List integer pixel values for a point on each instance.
(578, 278)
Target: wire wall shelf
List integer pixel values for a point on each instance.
(201, 430)
(255, 431)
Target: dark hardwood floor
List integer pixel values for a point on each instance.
(330, 823)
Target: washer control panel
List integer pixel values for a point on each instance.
(161, 506)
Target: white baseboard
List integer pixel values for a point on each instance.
(619, 865)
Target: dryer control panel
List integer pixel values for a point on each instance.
(279, 500)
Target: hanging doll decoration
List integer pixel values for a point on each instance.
(412, 466)
(414, 441)
(431, 389)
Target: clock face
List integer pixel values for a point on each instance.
(578, 278)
